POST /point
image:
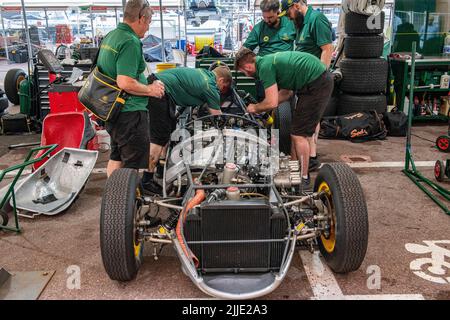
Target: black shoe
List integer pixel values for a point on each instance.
(151, 188)
(306, 185)
(314, 164)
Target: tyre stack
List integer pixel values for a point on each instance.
(364, 72)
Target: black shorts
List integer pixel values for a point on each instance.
(130, 140)
(162, 119)
(311, 104)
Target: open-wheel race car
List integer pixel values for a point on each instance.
(235, 224)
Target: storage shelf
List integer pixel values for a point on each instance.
(430, 118)
(429, 90)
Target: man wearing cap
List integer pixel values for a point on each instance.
(282, 73)
(314, 36)
(273, 33)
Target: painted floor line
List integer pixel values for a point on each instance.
(325, 287)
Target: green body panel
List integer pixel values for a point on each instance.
(24, 96)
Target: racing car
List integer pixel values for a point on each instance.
(236, 211)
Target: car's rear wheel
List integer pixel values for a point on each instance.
(12, 82)
(344, 246)
(120, 244)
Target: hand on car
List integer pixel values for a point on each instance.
(156, 89)
(251, 108)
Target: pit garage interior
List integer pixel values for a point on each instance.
(403, 167)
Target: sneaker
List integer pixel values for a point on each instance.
(151, 188)
(314, 164)
(306, 185)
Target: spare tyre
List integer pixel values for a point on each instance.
(364, 76)
(363, 46)
(357, 103)
(13, 79)
(282, 122)
(357, 24)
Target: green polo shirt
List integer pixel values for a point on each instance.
(272, 40)
(316, 32)
(290, 70)
(191, 87)
(121, 54)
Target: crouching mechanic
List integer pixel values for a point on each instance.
(282, 73)
(184, 87)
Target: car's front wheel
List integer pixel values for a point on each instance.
(344, 245)
(120, 244)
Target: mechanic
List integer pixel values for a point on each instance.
(121, 58)
(314, 36)
(272, 34)
(284, 72)
(185, 87)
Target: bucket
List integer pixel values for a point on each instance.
(164, 66)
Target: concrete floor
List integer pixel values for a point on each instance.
(398, 214)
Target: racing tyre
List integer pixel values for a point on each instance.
(362, 47)
(356, 23)
(344, 248)
(282, 122)
(364, 75)
(13, 79)
(122, 251)
(357, 103)
(439, 171)
(443, 144)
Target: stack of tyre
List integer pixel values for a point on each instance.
(364, 71)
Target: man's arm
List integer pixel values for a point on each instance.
(327, 53)
(269, 103)
(134, 87)
(214, 112)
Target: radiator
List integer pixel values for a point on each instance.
(236, 222)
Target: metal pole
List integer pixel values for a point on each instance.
(46, 23)
(179, 30)
(124, 2)
(30, 51)
(92, 26)
(410, 106)
(163, 49)
(185, 33)
(117, 17)
(4, 36)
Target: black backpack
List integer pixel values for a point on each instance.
(396, 123)
(356, 127)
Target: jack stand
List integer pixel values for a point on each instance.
(410, 168)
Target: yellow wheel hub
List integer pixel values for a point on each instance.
(329, 242)
(137, 246)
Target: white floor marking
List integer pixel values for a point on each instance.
(325, 287)
(434, 268)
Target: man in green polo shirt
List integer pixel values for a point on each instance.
(121, 58)
(272, 34)
(284, 72)
(314, 36)
(184, 87)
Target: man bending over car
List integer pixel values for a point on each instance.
(184, 87)
(284, 72)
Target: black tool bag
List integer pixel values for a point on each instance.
(15, 124)
(356, 127)
(101, 95)
(396, 123)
